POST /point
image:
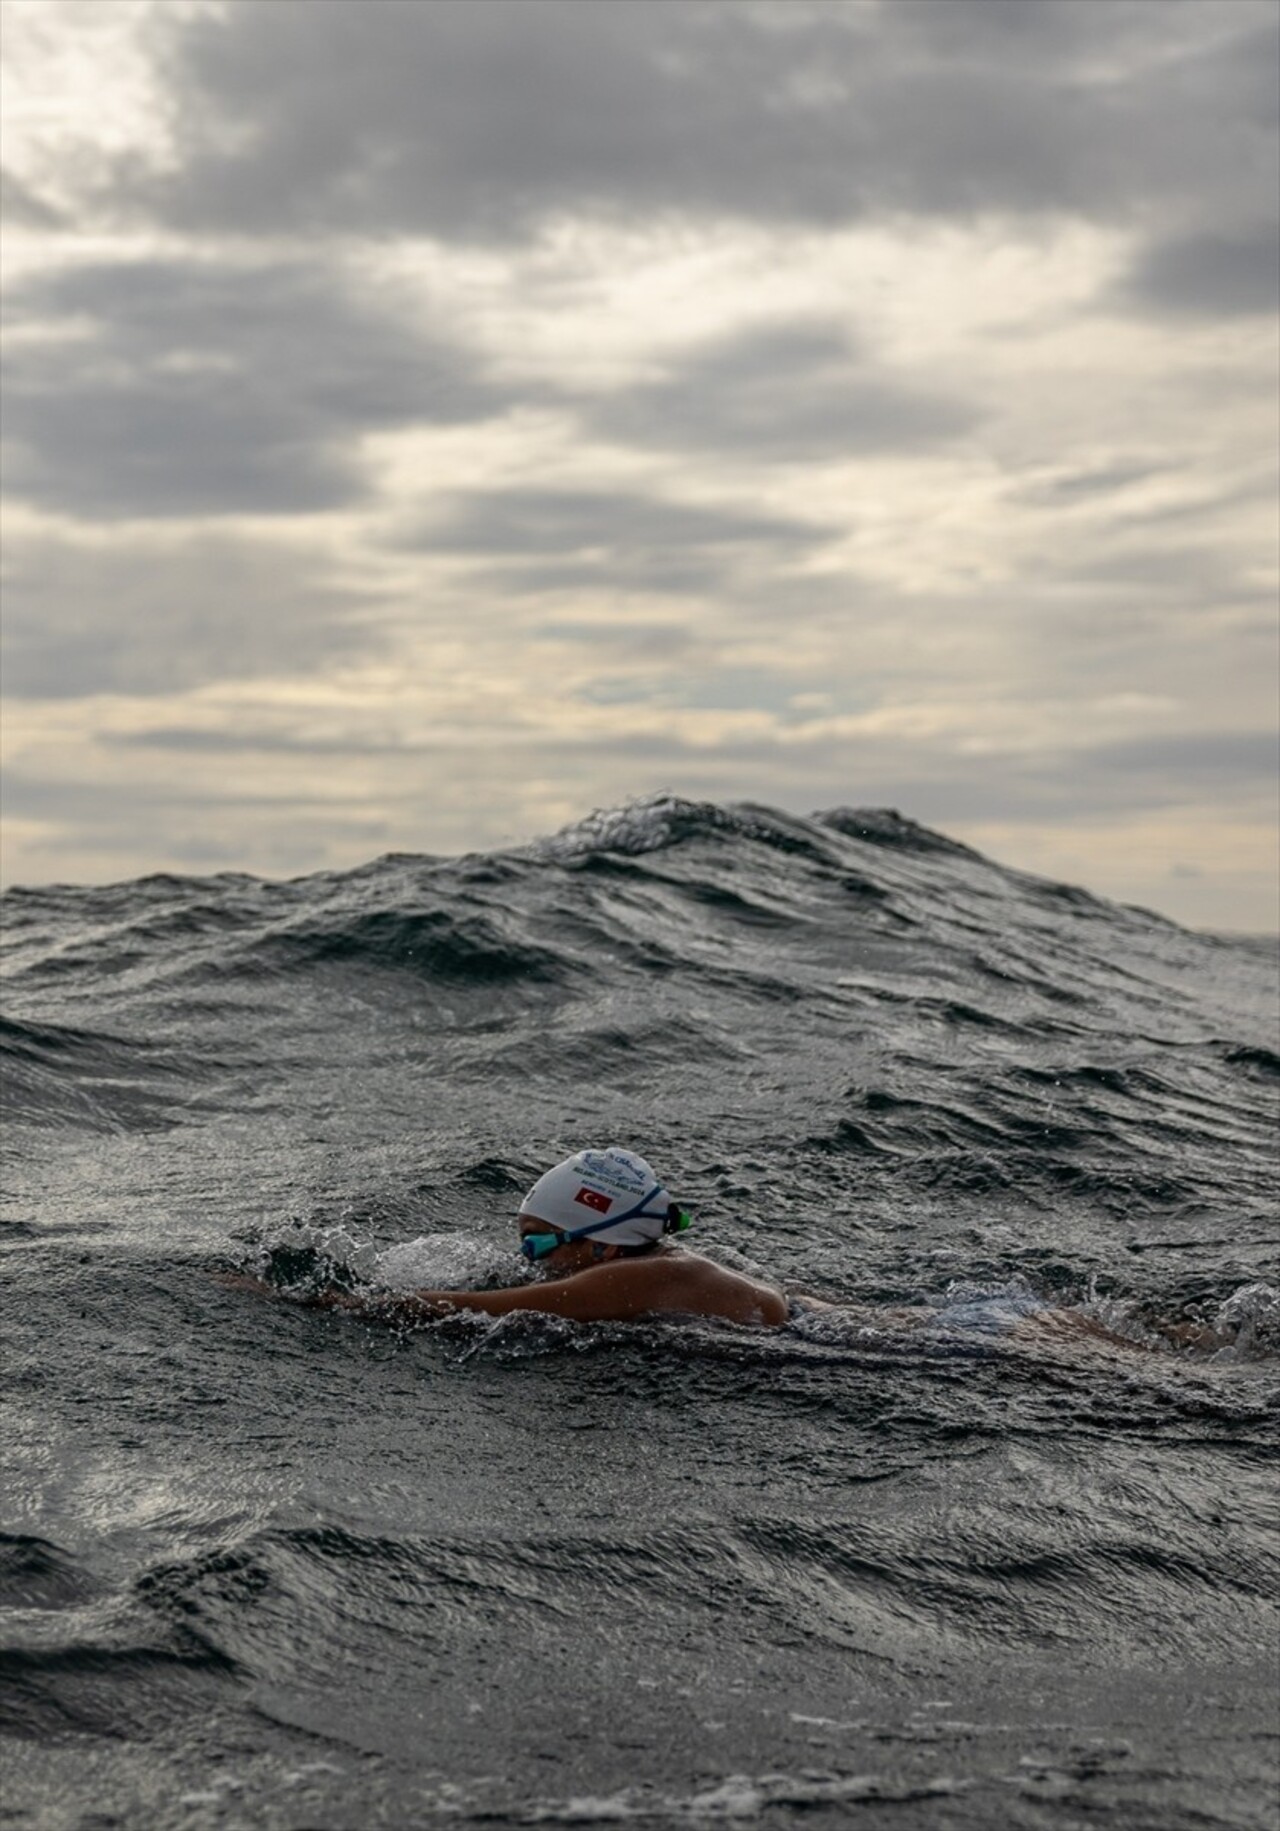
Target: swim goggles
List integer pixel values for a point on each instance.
(537, 1245)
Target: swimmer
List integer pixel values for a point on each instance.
(597, 1229)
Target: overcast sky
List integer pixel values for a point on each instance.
(428, 420)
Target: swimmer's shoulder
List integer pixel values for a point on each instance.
(674, 1280)
(715, 1290)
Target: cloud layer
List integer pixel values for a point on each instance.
(422, 422)
(163, 388)
(484, 121)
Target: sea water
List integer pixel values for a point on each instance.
(939, 1557)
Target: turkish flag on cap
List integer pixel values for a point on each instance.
(592, 1198)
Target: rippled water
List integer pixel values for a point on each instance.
(939, 1559)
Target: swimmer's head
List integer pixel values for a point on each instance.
(609, 1197)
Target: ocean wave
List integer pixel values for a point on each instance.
(280, 1604)
(55, 1076)
(433, 944)
(265, 1558)
(661, 822)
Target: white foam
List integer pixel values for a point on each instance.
(735, 1798)
(445, 1262)
(987, 1309)
(640, 826)
(345, 1249)
(1252, 1315)
(798, 1716)
(1247, 1323)
(434, 1261)
(590, 1809)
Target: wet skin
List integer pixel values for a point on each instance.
(583, 1281)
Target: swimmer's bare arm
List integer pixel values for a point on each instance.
(387, 1306)
(618, 1292)
(558, 1299)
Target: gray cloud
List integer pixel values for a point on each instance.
(1215, 274)
(177, 389)
(793, 391)
(1221, 758)
(83, 619)
(1098, 481)
(1158, 771)
(633, 570)
(1066, 31)
(634, 639)
(560, 521)
(1160, 579)
(926, 773)
(22, 207)
(942, 785)
(613, 540)
(197, 826)
(247, 739)
(483, 121)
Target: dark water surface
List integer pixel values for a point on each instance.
(266, 1566)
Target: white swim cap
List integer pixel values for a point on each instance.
(581, 1193)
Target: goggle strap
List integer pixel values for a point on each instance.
(679, 1225)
